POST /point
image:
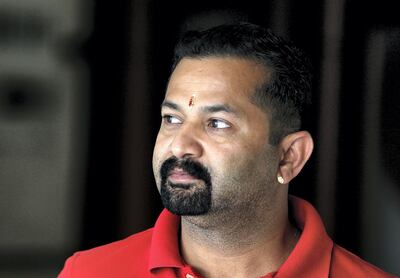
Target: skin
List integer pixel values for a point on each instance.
(246, 231)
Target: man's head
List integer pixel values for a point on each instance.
(283, 92)
(229, 122)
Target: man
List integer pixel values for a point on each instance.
(228, 145)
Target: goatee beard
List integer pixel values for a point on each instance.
(186, 199)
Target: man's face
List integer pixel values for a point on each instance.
(212, 152)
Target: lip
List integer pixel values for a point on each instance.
(181, 176)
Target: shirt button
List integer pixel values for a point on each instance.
(189, 276)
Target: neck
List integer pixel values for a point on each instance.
(251, 244)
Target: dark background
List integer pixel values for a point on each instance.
(352, 177)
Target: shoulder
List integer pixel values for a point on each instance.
(127, 255)
(140, 242)
(346, 264)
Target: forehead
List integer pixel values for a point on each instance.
(216, 78)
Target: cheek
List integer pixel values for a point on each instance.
(225, 163)
(160, 146)
(244, 162)
(158, 156)
(235, 153)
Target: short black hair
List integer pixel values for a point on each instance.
(284, 93)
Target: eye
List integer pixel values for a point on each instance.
(218, 124)
(172, 120)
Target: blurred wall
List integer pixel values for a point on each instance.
(43, 127)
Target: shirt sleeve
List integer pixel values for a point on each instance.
(66, 272)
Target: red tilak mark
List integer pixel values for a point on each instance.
(191, 102)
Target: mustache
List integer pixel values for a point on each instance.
(193, 168)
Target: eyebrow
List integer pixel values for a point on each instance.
(169, 104)
(206, 109)
(218, 108)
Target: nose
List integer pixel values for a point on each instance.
(186, 143)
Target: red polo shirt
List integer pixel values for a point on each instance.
(155, 253)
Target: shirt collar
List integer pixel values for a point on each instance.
(164, 248)
(310, 258)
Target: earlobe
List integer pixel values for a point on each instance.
(295, 150)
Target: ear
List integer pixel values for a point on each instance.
(295, 149)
